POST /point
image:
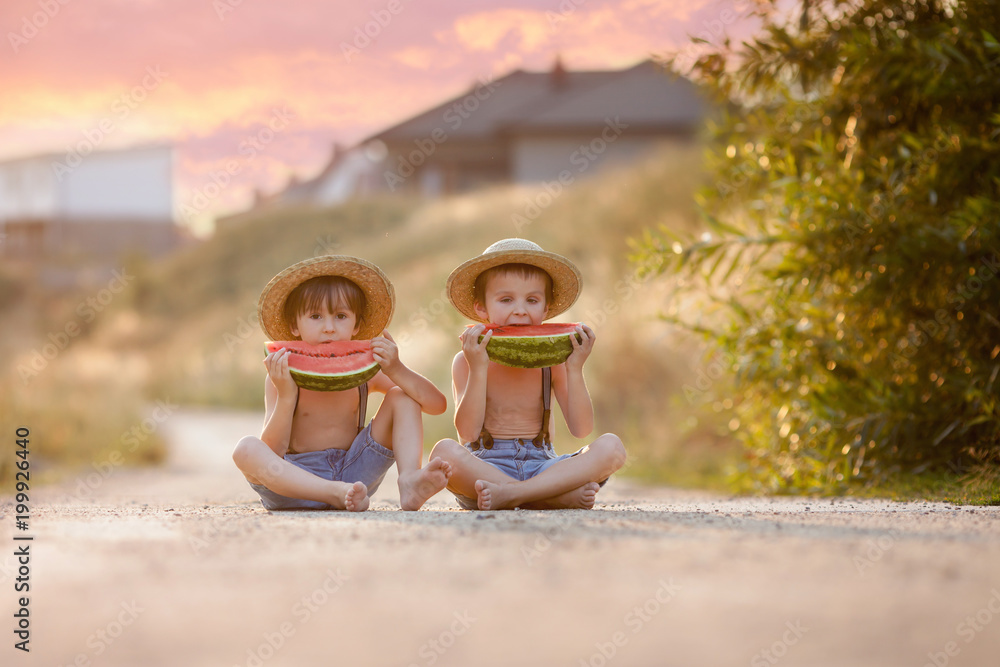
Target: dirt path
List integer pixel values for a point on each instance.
(181, 566)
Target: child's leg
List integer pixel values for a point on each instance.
(580, 498)
(397, 426)
(466, 469)
(260, 465)
(602, 458)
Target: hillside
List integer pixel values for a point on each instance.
(187, 332)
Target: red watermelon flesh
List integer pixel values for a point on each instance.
(335, 366)
(529, 330)
(531, 345)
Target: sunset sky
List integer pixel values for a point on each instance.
(205, 75)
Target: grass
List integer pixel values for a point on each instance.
(185, 329)
(75, 425)
(79, 398)
(980, 486)
(197, 310)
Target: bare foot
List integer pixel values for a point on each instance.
(356, 499)
(493, 496)
(416, 486)
(580, 498)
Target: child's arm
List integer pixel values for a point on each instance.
(415, 385)
(280, 396)
(468, 375)
(571, 389)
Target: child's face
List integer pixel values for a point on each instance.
(513, 299)
(326, 324)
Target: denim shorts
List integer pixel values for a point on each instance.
(365, 461)
(519, 459)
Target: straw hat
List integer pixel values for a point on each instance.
(379, 295)
(566, 278)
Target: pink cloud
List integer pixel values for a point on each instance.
(345, 69)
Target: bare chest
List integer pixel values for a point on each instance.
(513, 401)
(324, 419)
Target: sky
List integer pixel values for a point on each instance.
(210, 76)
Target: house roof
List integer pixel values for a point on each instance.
(525, 102)
(297, 189)
(644, 96)
(58, 156)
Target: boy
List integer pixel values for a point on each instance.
(504, 464)
(315, 451)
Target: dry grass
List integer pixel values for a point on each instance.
(75, 423)
(187, 326)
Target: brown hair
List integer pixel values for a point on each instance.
(520, 270)
(327, 292)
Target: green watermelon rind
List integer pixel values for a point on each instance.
(326, 381)
(334, 382)
(530, 351)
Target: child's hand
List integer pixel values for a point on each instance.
(277, 369)
(474, 351)
(386, 352)
(582, 349)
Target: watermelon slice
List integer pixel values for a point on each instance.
(335, 366)
(529, 345)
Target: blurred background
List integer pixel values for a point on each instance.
(159, 162)
(786, 230)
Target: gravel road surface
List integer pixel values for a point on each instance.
(180, 565)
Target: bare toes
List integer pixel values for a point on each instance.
(356, 499)
(484, 496)
(416, 487)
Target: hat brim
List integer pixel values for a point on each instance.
(566, 279)
(380, 296)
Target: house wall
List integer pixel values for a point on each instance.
(27, 190)
(454, 166)
(537, 159)
(350, 177)
(134, 185)
(108, 203)
(94, 238)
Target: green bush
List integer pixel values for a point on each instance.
(855, 250)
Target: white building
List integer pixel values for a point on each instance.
(99, 205)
